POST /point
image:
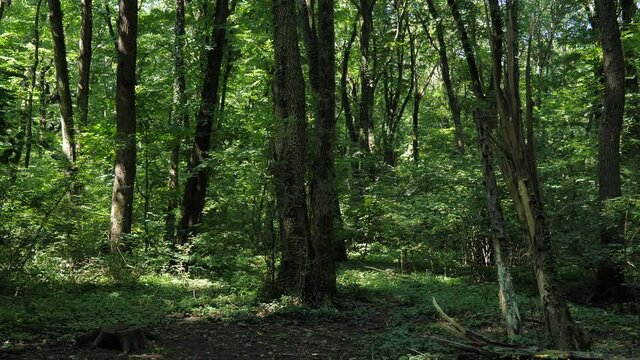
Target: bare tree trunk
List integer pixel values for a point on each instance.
(364, 123)
(43, 90)
(178, 114)
(196, 187)
(446, 75)
(344, 91)
(321, 53)
(393, 84)
(84, 61)
(484, 125)
(62, 82)
(290, 151)
(521, 174)
(32, 85)
(125, 164)
(609, 277)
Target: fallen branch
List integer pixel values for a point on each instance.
(471, 342)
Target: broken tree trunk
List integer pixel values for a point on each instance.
(473, 343)
(118, 337)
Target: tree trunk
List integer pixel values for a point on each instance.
(125, 165)
(484, 119)
(609, 277)
(446, 76)
(521, 174)
(196, 187)
(290, 151)
(84, 63)
(43, 90)
(344, 91)
(178, 114)
(366, 137)
(323, 269)
(62, 82)
(32, 85)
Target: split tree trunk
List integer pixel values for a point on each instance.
(125, 164)
(196, 187)
(521, 174)
(484, 117)
(290, 151)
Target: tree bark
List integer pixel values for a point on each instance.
(344, 91)
(178, 115)
(84, 61)
(393, 84)
(364, 124)
(484, 117)
(446, 75)
(32, 85)
(125, 164)
(521, 174)
(320, 44)
(290, 151)
(609, 277)
(196, 187)
(62, 82)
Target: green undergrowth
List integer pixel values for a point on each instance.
(393, 309)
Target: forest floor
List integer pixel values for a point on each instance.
(381, 314)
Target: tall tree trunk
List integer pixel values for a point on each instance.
(290, 151)
(344, 85)
(42, 124)
(609, 277)
(483, 119)
(393, 85)
(632, 106)
(32, 85)
(62, 82)
(321, 53)
(366, 137)
(3, 5)
(196, 187)
(125, 164)
(84, 63)
(446, 75)
(521, 174)
(178, 114)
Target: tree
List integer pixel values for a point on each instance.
(609, 277)
(483, 114)
(62, 83)
(32, 84)
(364, 123)
(125, 164)
(196, 186)
(84, 60)
(290, 150)
(520, 171)
(178, 119)
(446, 74)
(319, 40)
(393, 83)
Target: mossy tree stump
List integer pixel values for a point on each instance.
(118, 337)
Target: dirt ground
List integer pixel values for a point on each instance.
(273, 337)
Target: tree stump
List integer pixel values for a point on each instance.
(118, 337)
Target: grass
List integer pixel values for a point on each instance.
(396, 308)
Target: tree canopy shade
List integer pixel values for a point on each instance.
(317, 157)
